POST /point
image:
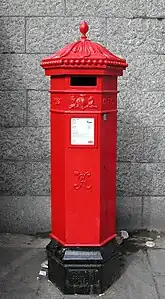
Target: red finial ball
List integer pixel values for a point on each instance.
(84, 28)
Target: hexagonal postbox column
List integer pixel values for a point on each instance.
(83, 92)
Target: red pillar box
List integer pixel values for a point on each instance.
(83, 91)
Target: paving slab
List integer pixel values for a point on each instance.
(157, 260)
(47, 290)
(22, 241)
(160, 281)
(136, 282)
(18, 272)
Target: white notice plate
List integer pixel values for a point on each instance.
(82, 131)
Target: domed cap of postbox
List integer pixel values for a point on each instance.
(83, 54)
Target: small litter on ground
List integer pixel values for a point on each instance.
(150, 244)
(124, 234)
(45, 264)
(42, 273)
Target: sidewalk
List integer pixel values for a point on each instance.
(21, 257)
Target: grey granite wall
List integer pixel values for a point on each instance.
(29, 30)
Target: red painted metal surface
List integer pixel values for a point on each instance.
(83, 176)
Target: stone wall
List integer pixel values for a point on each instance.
(30, 30)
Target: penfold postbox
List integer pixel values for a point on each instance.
(83, 90)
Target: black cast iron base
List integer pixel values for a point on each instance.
(83, 270)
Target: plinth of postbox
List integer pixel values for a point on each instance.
(83, 105)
